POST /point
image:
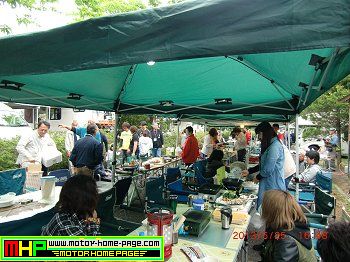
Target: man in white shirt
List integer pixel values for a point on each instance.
(30, 147)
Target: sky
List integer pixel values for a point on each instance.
(43, 20)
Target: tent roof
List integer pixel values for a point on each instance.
(263, 55)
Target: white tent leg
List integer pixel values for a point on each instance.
(288, 138)
(115, 144)
(178, 134)
(297, 155)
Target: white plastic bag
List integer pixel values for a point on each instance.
(289, 164)
(256, 221)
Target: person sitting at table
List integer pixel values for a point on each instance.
(309, 174)
(190, 150)
(288, 234)
(76, 209)
(214, 163)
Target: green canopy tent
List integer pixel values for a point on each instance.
(211, 57)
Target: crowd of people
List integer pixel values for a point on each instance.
(87, 148)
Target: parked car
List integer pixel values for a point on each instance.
(12, 123)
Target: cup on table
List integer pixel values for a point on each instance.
(48, 189)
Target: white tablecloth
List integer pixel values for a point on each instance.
(35, 196)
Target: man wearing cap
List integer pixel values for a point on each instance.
(143, 128)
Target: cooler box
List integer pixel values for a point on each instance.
(51, 157)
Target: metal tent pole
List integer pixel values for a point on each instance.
(177, 134)
(115, 144)
(297, 155)
(288, 137)
(348, 142)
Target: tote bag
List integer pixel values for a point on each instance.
(289, 164)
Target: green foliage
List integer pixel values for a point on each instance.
(312, 132)
(96, 8)
(154, 3)
(200, 137)
(9, 153)
(134, 120)
(169, 139)
(175, 1)
(29, 5)
(327, 111)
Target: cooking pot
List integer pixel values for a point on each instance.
(232, 183)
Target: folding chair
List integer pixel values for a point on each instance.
(324, 207)
(324, 180)
(172, 174)
(111, 226)
(62, 175)
(307, 190)
(155, 192)
(181, 190)
(12, 181)
(199, 168)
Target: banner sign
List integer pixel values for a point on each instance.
(82, 248)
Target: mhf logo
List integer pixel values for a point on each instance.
(15, 248)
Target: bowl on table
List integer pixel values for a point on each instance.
(7, 199)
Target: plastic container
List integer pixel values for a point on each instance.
(198, 204)
(48, 189)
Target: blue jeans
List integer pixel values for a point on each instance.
(156, 152)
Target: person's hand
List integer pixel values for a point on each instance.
(255, 180)
(245, 173)
(94, 215)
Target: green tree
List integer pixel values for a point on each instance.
(29, 5)
(175, 1)
(154, 3)
(328, 111)
(96, 8)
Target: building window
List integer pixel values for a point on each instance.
(55, 113)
